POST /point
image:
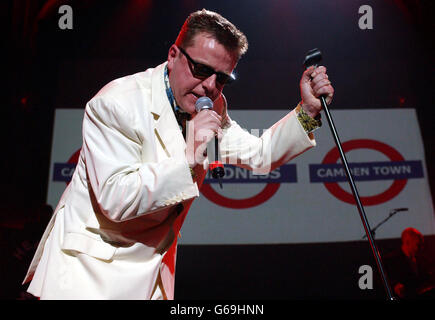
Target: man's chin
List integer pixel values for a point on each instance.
(188, 107)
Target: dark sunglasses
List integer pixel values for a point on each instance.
(203, 71)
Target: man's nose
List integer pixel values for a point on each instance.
(210, 85)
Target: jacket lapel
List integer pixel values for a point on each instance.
(166, 129)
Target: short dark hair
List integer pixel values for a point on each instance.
(216, 26)
(412, 233)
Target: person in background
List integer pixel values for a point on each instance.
(408, 270)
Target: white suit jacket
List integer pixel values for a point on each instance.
(114, 232)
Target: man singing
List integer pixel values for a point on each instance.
(114, 232)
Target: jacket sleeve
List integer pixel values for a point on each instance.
(125, 186)
(277, 145)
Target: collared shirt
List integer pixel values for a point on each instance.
(180, 115)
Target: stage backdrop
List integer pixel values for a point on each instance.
(308, 200)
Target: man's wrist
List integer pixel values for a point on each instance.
(312, 112)
(308, 122)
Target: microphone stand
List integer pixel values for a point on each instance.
(312, 58)
(392, 213)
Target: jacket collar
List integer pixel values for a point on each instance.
(159, 101)
(166, 127)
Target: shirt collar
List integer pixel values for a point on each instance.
(179, 113)
(170, 94)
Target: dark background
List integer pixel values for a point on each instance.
(46, 68)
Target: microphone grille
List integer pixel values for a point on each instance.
(203, 103)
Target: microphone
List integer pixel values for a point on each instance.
(203, 103)
(216, 167)
(394, 211)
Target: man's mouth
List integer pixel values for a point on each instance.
(195, 95)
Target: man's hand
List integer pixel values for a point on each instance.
(315, 83)
(201, 129)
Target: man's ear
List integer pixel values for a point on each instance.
(172, 54)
